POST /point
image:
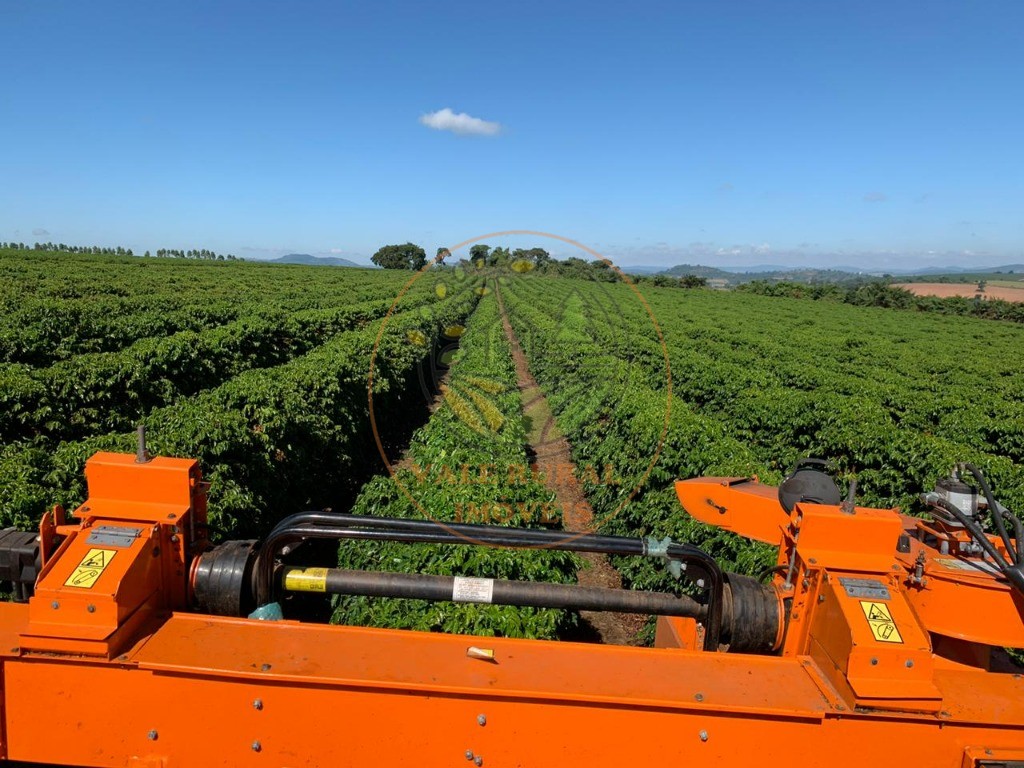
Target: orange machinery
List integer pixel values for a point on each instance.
(877, 642)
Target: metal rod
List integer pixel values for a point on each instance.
(338, 581)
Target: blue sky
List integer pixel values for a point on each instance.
(861, 133)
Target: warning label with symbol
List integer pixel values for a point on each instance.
(93, 564)
(880, 620)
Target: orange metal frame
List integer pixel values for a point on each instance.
(138, 680)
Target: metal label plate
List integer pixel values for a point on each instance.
(865, 588)
(113, 536)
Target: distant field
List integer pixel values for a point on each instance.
(968, 290)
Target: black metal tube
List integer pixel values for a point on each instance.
(1018, 533)
(338, 581)
(993, 509)
(701, 568)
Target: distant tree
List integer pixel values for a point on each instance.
(981, 285)
(405, 256)
(442, 254)
(478, 253)
(499, 256)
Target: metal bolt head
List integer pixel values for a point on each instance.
(90, 608)
(153, 735)
(264, 668)
(699, 696)
(874, 662)
(481, 720)
(55, 605)
(256, 746)
(478, 760)
(258, 704)
(821, 598)
(703, 735)
(909, 664)
(469, 754)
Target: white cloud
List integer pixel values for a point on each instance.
(460, 123)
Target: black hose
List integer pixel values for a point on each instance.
(976, 533)
(993, 508)
(1018, 532)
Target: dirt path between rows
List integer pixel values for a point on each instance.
(551, 458)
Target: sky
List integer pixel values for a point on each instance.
(859, 133)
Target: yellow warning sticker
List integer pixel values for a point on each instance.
(93, 564)
(880, 620)
(306, 580)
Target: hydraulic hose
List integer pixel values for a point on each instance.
(976, 533)
(993, 508)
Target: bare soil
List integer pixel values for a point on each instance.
(967, 290)
(552, 460)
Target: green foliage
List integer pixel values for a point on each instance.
(274, 405)
(756, 383)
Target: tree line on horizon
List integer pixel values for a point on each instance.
(413, 257)
(102, 250)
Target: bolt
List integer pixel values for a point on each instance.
(478, 761)
(174, 539)
(256, 746)
(699, 696)
(805, 583)
(874, 662)
(90, 608)
(700, 583)
(813, 561)
(469, 754)
(55, 605)
(258, 704)
(481, 720)
(821, 598)
(909, 664)
(265, 668)
(171, 515)
(703, 735)
(153, 735)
